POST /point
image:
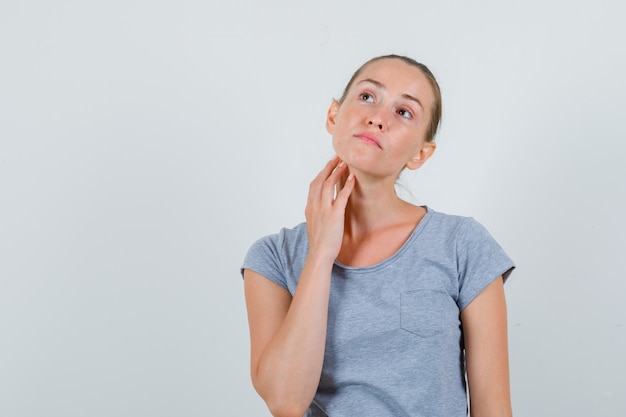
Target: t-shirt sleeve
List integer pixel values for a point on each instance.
(480, 261)
(263, 257)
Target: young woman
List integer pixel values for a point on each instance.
(375, 306)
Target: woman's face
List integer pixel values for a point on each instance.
(380, 127)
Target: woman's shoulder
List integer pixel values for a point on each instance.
(464, 230)
(275, 254)
(286, 237)
(449, 221)
(468, 234)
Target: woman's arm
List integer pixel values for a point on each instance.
(288, 336)
(486, 352)
(287, 339)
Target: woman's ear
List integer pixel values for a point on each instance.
(422, 155)
(331, 116)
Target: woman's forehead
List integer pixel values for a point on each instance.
(397, 76)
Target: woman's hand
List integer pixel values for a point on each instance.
(326, 208)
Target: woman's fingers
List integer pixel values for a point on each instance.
(327, 170)
(329, 187)
(323, 185)
(324, 192)
(318, 182)
(326, 205)
(342, 196)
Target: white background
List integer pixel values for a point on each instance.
(144, 145)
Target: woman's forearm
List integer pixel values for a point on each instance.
(288, 371)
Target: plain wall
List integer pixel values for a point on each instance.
(144, 145)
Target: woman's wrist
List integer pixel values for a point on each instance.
(321, 257)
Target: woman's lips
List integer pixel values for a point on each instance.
(368, 138)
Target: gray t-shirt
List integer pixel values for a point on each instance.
(394, 342)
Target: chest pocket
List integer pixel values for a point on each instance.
(422, 312)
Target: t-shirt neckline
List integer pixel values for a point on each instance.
(414, 234)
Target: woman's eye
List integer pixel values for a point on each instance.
(405, 113)
(367, 97)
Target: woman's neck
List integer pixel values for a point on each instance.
(374, 205)
(377, 224)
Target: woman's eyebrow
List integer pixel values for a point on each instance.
(376, 83)
(380, 85)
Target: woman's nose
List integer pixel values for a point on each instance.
(373, 121)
